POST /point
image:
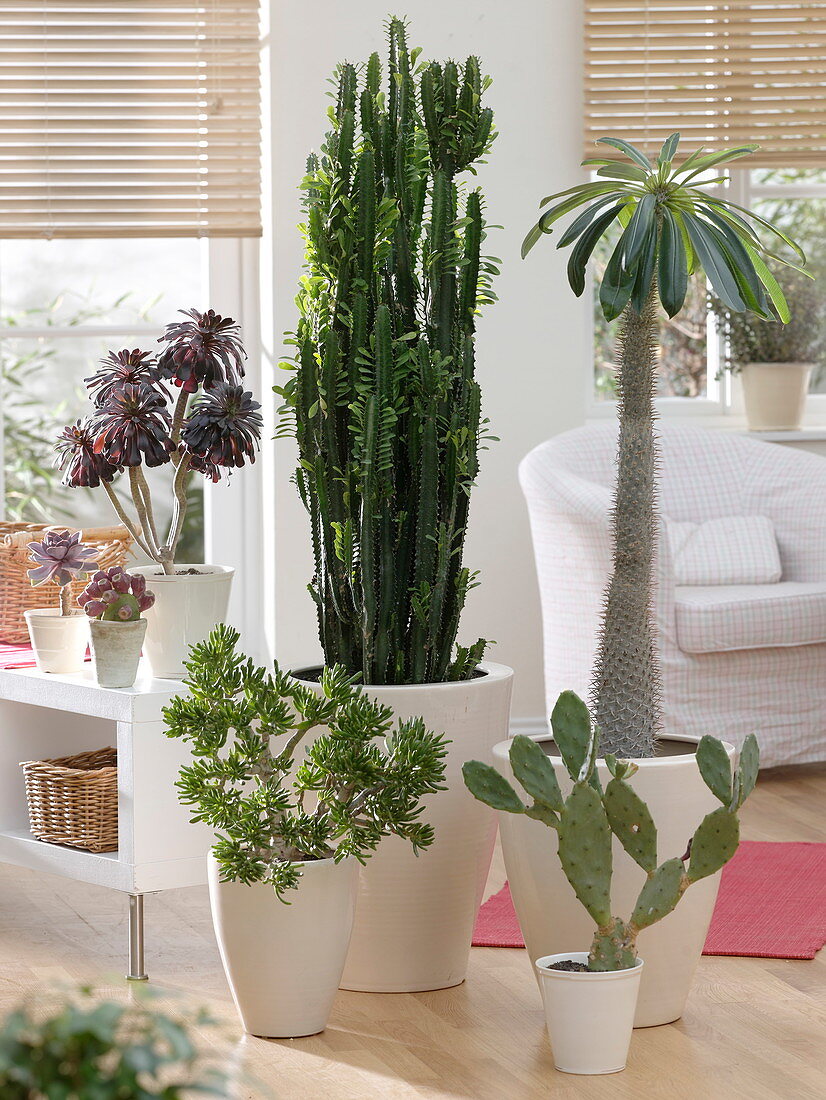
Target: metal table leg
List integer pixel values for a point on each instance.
(136, 971)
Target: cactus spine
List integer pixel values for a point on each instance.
(383, 400)
(589, 817)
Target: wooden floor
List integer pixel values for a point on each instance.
(754, 1028)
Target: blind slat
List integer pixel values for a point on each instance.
(140, 117)
(720, 73)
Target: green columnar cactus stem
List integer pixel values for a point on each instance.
(589, 817)
(383, 400)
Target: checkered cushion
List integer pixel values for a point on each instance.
(716, 618)
(728, 550)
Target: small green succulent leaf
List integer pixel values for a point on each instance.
(713, 844)
(629, 150)
(616, 286)
(540, 812)
(571, 725)
(715, 768)
(535, 772)
(668, 150)
(636, 235)
(673, 266)
(748, 768)
(486, 784)
(660, 893)
(585, 851)
(631, 823)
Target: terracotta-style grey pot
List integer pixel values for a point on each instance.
(116, 650)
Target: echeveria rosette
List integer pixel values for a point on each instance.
(132, 427)
(76, 457)
(59, 557)
(204, 351)
(224, 427)
(115, 595)
(121, 368)
(671, 228)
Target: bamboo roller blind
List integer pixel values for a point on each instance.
(123, 118)
(720, 73)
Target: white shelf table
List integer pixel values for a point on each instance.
(44, 716)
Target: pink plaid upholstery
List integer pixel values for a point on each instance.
(777, 690)
(729, 550)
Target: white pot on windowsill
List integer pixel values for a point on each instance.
(189, 603)
(59, 641)
(774, 395)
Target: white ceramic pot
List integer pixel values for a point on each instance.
(590, 1017)
(552, 919)
(187, 607)
(116, 651)
(283, 962)
(59, 641)
(415, 915)
(775, 395)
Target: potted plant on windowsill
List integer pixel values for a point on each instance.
(113, 601)
(671, 227)
(590, 996)
(775, 362)
(59, 638)
(301, 786)
(213, 425)
(385, 408)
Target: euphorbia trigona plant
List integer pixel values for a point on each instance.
(136, 423)
(671, 228)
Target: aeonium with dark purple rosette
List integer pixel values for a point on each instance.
(60, 556)
(132, 424)
(116, 596)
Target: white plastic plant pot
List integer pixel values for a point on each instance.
(550, 915)
(590, 1016)
(116, 651)
(283, 962)
(415, 914)
(775, 395)
(59, 641)
(189, 603)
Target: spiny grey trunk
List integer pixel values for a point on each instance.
(625, 696)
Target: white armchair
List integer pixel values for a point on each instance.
(736, 658)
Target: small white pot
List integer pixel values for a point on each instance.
(116, 650)
(59, 641)
(186, 608)
(416, 913)
(283, 962)
(775, 395)
(590, 1017)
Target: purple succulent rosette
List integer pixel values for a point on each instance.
(76, 457)
(59, 558)
(116, 594)
(122, 368)
(204, 351)
(224, 427)
(132, 426)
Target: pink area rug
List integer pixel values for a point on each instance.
(771, 905)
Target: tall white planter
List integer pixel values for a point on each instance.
(553, 920)
(415, 915)
(59, 641)
(775, 395)
(186, 608)
(283, 962)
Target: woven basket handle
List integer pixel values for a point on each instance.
(117, 533)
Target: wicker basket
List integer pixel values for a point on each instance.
(16, 592)
(73, 800)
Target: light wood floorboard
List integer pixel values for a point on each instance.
(753, 1028)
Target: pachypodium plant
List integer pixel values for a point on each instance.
(275, 804)
(588, 818)
(116, 596)
(60, 557)
(383, 400)
(212, 425)
(671, 228)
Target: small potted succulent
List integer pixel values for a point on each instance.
(590, 996)
(300, 787)
(59, 638)
(212, 425)
(114, 600)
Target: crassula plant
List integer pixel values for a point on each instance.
(275, 804)
(114, 595)
(670, 227)
(60, 557)
(212, 424)
(590, 816)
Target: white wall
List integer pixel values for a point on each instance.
(531, 346)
